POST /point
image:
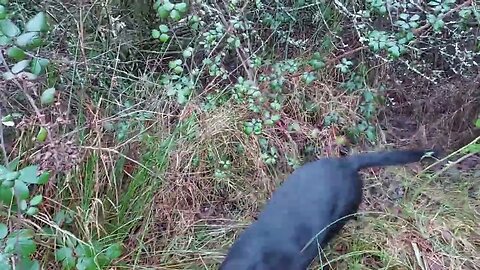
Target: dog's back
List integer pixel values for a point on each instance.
(314, 203)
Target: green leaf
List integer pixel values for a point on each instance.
(164, 37)
(309, 77)
(477, 123)
(175, 15)
(167, 5)
(16, 53)
(43, 178)
(181, 7)
(3, 231)
(65, 255)
(172, 64)
(317, 64)
(5, 262)
(394, 51)
(23, 205)
(42, 134)
(38, 23)
(25, 246)
(114, 251)
(178, 70)
(28, 264)
(162, 12)
(438, 25)
(36, 200)
(187, 53)
(4, 40)
(6, 195)
(12, 166)
(155, 33)
(163, 28)
(38, 65)
(275, 117)
(3, 12)
(10, 176)
(8, 76)
(29, 174)
(32, 211)
(26, 39)
(3, 169)
(415, 17)
(21, 190)
(48, 96)
(86, 263)
(8, 28)
(20, 66)
(7, 184)
(83, 250)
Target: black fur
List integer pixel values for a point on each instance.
(315, 200)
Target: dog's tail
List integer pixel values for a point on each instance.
(387, 158)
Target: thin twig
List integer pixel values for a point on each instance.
(417, 32)
(40, 116)
(2, 140)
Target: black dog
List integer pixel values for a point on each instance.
(307, 211)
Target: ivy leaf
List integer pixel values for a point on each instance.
(29, 174)
(16, 53)
(8, 28)
(20, 66)
(48, 96)
(38, 23)
(3, 231)
(477, 123)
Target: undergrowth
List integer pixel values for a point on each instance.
(139, 134)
